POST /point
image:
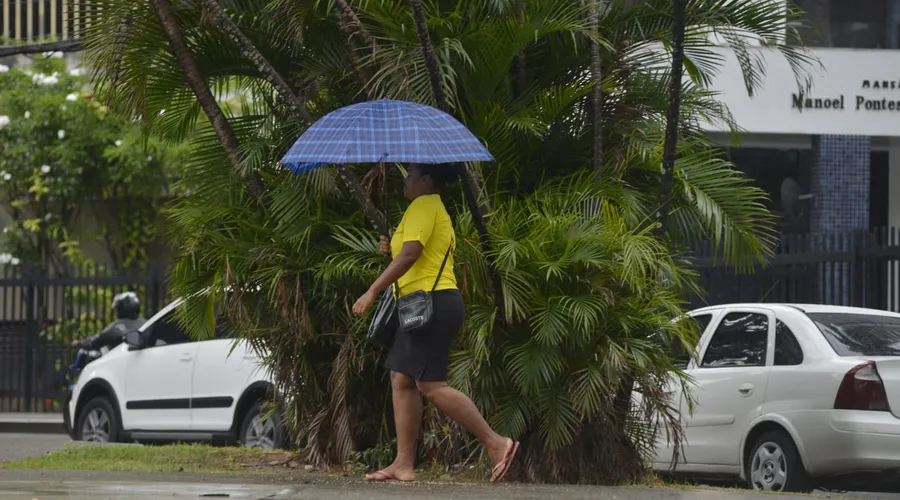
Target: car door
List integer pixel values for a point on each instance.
(665, 445)
(221, 372)
(729, 386)
(158, 378)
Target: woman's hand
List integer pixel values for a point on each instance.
(364, 303)
(385, 246)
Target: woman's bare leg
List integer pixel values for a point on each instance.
(460, 408)
(407, 419)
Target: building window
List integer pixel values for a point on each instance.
(858, 24)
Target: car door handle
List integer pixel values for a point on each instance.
(186, 357)
(746, 389)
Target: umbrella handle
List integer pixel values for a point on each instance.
(384, 200)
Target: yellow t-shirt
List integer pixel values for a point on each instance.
(426, 221)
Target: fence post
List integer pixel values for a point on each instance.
(858, 276)
(157, 278)
(31, 332)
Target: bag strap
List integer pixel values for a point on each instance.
(443, 264)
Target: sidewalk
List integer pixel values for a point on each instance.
(16, 484)
(32, 423)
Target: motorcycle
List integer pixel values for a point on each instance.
(82, 358)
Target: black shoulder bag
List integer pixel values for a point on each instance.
(416, 310)
(383, 327)
(384, 324)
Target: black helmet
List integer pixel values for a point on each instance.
(127, 305)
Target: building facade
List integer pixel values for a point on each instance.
(829, 156)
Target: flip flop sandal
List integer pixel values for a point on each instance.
(502, 468)
(382, 477)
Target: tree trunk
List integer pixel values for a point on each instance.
(521, 74)
(296, 105)
(205, 97)
(431, 62)
(597, 95)
(346, 28)
(672, 118)
(470, 186)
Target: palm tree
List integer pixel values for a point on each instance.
(544, 361)
(205, 97)
(672, 115)
(597, 92)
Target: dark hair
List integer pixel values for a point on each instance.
(440, 174)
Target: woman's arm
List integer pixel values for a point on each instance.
(403, 262)
(409, 254)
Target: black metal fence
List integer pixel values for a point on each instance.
(42, 312)
(856, 268)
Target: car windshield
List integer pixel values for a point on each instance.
(860, 334)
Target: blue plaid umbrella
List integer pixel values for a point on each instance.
(384, 130)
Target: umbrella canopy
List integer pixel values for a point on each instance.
(384, 130)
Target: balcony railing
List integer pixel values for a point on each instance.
(32, 21)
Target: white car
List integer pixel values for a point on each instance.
(160, 385)
(789, 396)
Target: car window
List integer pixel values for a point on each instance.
(677, 349)
(702, 322)
(852, 334)
(739, 340)
(167, 331)
(787, 349)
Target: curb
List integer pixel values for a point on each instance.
(26, 425)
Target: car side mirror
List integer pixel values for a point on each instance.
(133, 339)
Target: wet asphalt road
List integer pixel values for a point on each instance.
(15, 485)
(75, 485)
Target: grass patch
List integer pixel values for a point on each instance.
(173, 458)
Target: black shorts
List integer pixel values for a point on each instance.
(425, 355)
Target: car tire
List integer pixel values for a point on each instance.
(98, 422)
(774, 464)
(257, 431)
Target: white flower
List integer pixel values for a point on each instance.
(27, 115)
(7, 177)
(118, 142)
(61, 134)
(76, 71)
(4, 68)
(4, 121)
(71, 97)
(42, 79)
(15, 261)
(6, 258)
(150, 158)
(45, 169)
(5, 230)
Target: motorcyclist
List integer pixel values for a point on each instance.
(128, 314)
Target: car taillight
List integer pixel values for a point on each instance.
(862, 389)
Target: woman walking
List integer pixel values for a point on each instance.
(422, 251)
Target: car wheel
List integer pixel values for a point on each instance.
(259, 431)
(97, 423)
(774, 465)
